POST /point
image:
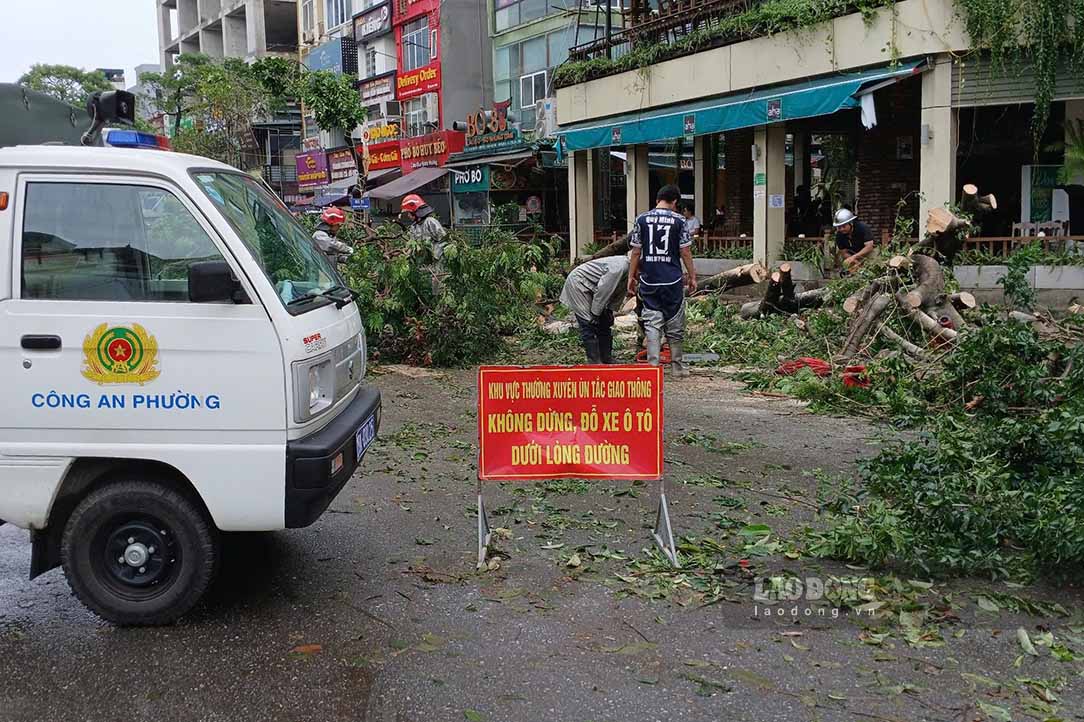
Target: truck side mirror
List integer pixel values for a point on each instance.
(214, 281)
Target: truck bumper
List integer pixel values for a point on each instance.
(319, 465)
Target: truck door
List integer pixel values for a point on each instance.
(103, 354)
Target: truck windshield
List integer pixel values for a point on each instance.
(278, 243)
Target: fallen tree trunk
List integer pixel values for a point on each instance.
(747, 275)
(930, 326)
(616, 248)
(929, 281)
(813, 298)
(972, 202)
(945, 233)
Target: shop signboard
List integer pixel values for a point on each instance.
(376, 89)
(312, 169)
(372, 23)
(487, 133)
(328, 56)
(429, 150)
(379, 133)
(382, 156)
(341, 164)
(472, 179)
(412, 83)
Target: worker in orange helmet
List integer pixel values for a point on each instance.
(422, 223)
(324, 236)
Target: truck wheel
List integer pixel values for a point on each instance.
(138, 553)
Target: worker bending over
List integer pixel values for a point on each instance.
(592, 292)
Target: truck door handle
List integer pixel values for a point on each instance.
(40, 342)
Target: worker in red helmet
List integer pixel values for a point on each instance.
(422, 223)
(324, 236)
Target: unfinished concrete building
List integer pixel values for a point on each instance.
(226, 28)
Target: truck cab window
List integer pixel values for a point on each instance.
(107, 242)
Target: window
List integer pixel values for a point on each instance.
(509, 13)
(370, 62)
(308, 16)
(106, 242)
(278, 244)
(532, 88)
(338, 12)
(417, 118)
(416, 44)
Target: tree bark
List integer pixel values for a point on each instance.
(616, 248)
(929, 282)
(928, 324)
(749, 274)
(862, 324)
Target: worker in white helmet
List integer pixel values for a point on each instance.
(854, 239)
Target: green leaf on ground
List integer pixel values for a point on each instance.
(473, 715)
(1025, 642)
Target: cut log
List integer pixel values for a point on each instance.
(945, 233)
(900, 263)
(856, 300)
(929, 325)
(911, 349)
(773, 293)
(749, 274)
(799, 302)
(963, 300)
(929, 282)
(616, 248)
(972, 202)
(786, 282)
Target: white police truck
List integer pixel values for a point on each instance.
(177, 359)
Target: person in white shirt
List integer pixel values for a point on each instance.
(692, 223)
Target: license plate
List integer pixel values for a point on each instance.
(364, 436)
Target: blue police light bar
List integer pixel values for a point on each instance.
(135, 139)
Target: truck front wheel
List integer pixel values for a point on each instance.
(139, 553)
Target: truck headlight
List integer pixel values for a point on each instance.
(314, 388)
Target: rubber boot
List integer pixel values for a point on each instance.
(677, 361)
(606, 347)
(654, 348)
(594, 355)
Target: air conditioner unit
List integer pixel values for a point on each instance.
(545, 118)
(390, 110)
(432, 108)
(308, 37)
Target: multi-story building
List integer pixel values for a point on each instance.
(768, 133)
(247, 29)
(226, 28)
(501, 164)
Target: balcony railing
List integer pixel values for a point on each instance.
(682, 27)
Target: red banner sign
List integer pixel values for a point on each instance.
(547, 422)
(429, 150)
(412, 83)
(382, 155)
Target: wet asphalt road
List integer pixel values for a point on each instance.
(376, 612)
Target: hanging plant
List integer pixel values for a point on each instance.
(1035, 30)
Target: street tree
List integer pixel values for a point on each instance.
(66, 83)
(173, 92)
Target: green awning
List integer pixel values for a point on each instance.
(820, 96)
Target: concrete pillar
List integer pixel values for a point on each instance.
(257, 29)
(581, 202)
(769, 189)
(165, 36)
(938, 140)
(637, 186)
(1074, 112)
(799, 158)
(702, 165)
